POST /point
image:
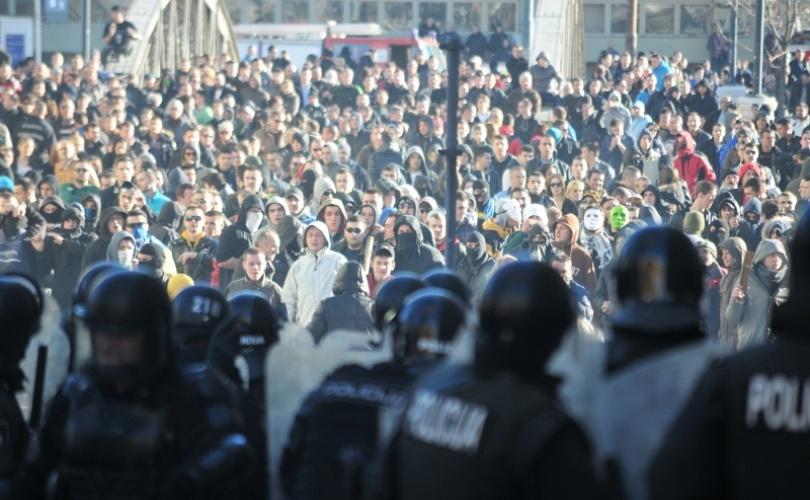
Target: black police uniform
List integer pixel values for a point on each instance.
(199, 312)
(245, 344)
(20, 310)
(491, 429)
(469, 435)
(340, 418)
(147, 444)
(144, 430)
(745, 431)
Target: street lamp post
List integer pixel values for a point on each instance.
(760, 46)
(452, 46)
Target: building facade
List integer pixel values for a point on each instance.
(664, 25)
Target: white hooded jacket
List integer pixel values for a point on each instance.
(310, 279)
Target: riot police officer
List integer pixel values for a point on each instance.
(20, 311)
(745, 431)
(491, 429)
(131, 424)
(445, 278)
(390, 298)
(656, 350)
(198, 313)
(336, 431)
(73, 327)
(239, 350)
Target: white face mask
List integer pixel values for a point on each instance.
(593, 219)
(252, 221)
(125, 258)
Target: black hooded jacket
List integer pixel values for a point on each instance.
(236, 238)
(476, 265)
(68, 257)
(165, 227)
(97, 250)
(349, 309)
(413, 255)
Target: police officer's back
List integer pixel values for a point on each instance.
(199, 314)
(337, 429)
(20, 310)
(745, 431)
(493, 429)
(131, 425)
(656, 351)
(239, 350)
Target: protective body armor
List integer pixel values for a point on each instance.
(111, 447)
(468, 437)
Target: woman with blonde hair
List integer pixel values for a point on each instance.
(574, 191)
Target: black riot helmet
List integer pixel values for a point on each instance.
(427, 324)
(129, 318)
(21, 304)
(658, 281)
(253, 329)
(90, 277)
(253, 313)
(791, 317)
(76, 331)
(391, 297)
(524, 312)
(446, 279)
(198, 312)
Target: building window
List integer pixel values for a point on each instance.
(694, 20)
(295, 11)
(594, 16)
(100, 11)
(26, 7)
(364, 12)
(252, 11)
(466, 16)
(619, 18)
(660, 19)
(503, 14)
(398, 16)
(438, 11)
(330, 10)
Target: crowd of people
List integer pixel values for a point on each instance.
(302, 194)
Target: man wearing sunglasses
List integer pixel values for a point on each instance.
(193, 251)
(354, 238)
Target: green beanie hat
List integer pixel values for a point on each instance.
(693, 223)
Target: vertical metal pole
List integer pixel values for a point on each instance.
(759, 46)
(632, 28)
(87, 19)
(733, 65)
(38, 30)
(452, 46)
(528, 26)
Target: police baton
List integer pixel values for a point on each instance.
(39, 387)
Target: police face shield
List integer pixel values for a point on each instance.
(118, 354)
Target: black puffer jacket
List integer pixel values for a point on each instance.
(97, 250)
(349, 309)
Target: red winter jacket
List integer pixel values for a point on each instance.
(690, 166)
